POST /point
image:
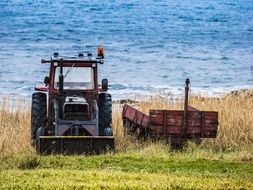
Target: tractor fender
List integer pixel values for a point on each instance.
(41, 88)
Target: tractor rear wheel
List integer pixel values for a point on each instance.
(105, 114)
(39, 113)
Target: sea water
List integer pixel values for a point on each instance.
(150, 46)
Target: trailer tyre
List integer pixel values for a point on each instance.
(105, 114)
(39, 113)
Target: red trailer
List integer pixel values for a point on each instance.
(177, 126)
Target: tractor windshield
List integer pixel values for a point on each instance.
(79, 78)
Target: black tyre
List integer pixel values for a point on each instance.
(105, 113)
(39, 113)
(40, 132)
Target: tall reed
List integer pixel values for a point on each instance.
(14, 127)
(235, 122)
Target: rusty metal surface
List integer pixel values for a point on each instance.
(170, 123)
(136, 116)
(203, 124)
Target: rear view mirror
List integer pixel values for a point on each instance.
(46, 80)
(104, 84)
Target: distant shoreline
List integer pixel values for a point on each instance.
(14, 100)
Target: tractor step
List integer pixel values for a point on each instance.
(75, 144)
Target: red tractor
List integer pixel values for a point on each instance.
(72, 113)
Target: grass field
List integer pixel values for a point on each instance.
(222, 163)
(152, 167)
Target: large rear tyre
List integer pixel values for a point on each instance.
(39, 114)
(105, 114)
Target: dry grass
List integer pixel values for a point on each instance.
(235, 118)
(14, 128)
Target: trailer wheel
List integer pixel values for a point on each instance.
(105, 114)
(39, 113)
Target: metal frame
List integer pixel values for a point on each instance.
(59, 143)
(177, 126)
(54, 93)
(76, 144)
(91, 126)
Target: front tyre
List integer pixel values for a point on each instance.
(40, 132)
(39, 114)
(105, 114)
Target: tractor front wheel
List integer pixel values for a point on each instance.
(40, 132)
(39, 114)
(105, 114)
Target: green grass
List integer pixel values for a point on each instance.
(152, 167)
